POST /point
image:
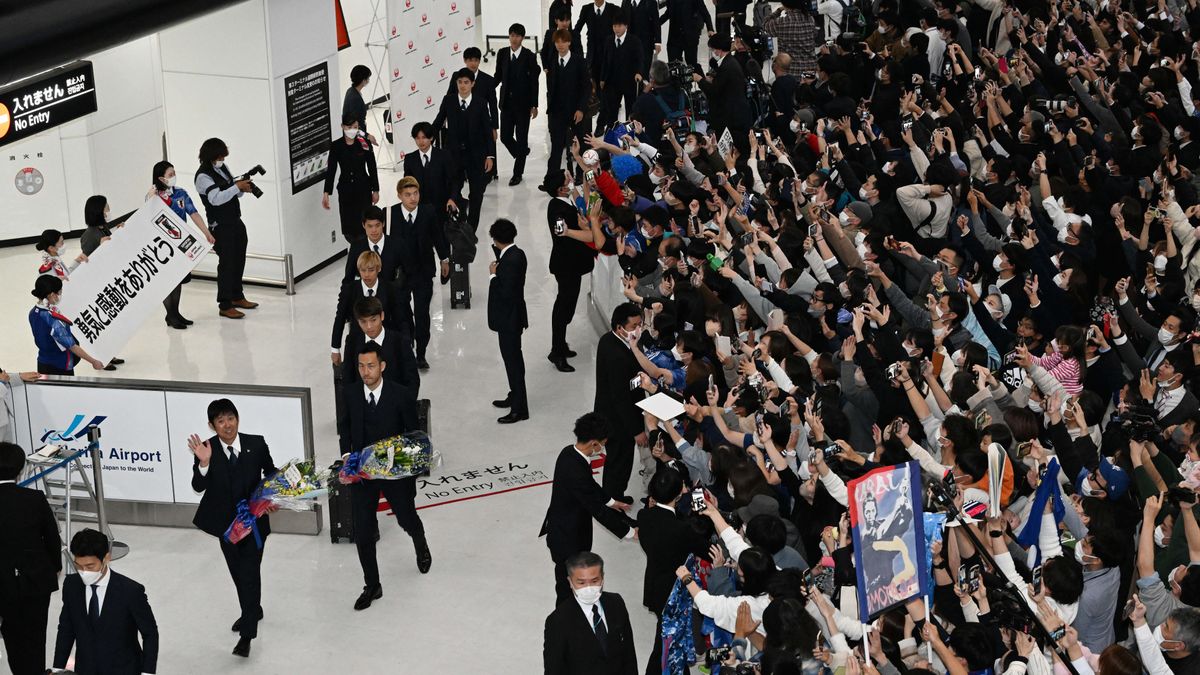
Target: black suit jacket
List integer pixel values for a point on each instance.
(506, 293)
(224, 485)
(518, 81)
(615, 401)
(620, 64)
(567, 255)
(667, 540)
(727, 95)
(549, 53)
(398, 353)
(599, 27)
(644, 22)
(432, 245)
(397, 405)
(437, 184)
(684, 19)
(485, 88)
(32, 552)
(576, 498)
(390, 257)
(110, 647)
(572, 648)
(397, 315)
(468, 134)
(567, 88)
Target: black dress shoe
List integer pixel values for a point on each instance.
(369, 595)
(184, 319)
(502, 403)
(115, 361)
(569, 353)
(176, 323)
(242, 648)
(237, 625)
(515, 180)
(424, 557)
(110, 367)
(422, 363)
(512, 417)
(561, 364)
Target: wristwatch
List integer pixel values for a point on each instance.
(688, 579)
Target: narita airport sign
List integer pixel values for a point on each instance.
(47, 100)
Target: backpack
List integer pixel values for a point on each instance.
(679, 118)
(854, 19)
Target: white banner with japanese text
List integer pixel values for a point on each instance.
(125, 280)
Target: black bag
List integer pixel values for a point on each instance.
(462, 239)
(423, 424)
(460, 286)
(339, 405)
(341, 512)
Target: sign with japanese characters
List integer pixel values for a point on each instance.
(125, 280)
(306, 96)
(447, 487)
(46, 101)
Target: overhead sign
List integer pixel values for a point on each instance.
(46, 101)
(124, 280)
(306, 97)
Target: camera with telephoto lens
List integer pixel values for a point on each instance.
(258, 170)
(716, 656)
(680, 73)
(1137, 423)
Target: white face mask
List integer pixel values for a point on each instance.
(1081, 556)
(911, 349)
(1178, 133)
(1196, 302)
(170, 181)
(844, 220)
(635, 333)
(218, 164)
(350, 133)
(862, 194)
(997, 262)
(1165, 337)
(1159, 639)
(1061, 279)
(106, 215)
(89, 578)
(794, 125)
(689, 148)
(676, 354)
(882, 30)
(655, 178)
(588, 595)
(996, 309)
(1035, 406)
(1160, 263)
(1159, 537)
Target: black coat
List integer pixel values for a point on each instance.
(576, 498)
(485, 88)
(667, 540)
(599, 27)
(620, 64)
(567, 89)
(684, 19)
(112, 646)
(728, 107)
(397, 352)
(31, 556)
(518, 81)
(572, 648)
(644, 22)
(390, 256)
(468, 133)
(567, 255)
(397, 406)
(506, 293)
(437, 184)
(615, 401)
(432, 246)
(224, 486)
(397, 315)
(356, 164)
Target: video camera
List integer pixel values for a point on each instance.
(258, 170)
(1138, 423)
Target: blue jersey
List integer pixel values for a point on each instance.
(179, 201)
(52, 335)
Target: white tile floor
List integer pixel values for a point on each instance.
(482, 607)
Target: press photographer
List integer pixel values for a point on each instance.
(220, 193)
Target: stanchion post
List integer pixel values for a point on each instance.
(119, 550)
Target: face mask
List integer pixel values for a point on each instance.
(1178, 133)
(1023, 135)
(1165, 337)
(170, 181)
(1035, 406)
(1061, 280)
(1160, 640)
(689, 148)
(218, 164)
(1160, 263)
(1196, 302)
(844, 219)
(1081, 556)
(997, 262)
(814, 312)
(655, 178)
(1137, 133)
(106, 215)
(350, 133)
(89, 578)
(676, 354)
(646, 234)
(937, 312)
(1159, 537)
(588, 595)
(862, 251)
(862, 194)
(882, 30)
(1063, 234)
(794, 126)
(879, 74)
(911, 349)
(729, 488)
(997, 312)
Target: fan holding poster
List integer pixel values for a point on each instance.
(889, 538)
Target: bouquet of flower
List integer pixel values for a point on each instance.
(296, 487)
(405, 456)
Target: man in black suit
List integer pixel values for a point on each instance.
(517, 76)
(228, 468)
(395, 345)
(684, 19)
(598, 18)
(419, 234)
(567, 92)
(616, 397)
(103, 614)
(485, 88)
(378, 410)
(645, 23)
(469, 138)
(575, 499)
(570, 260)
(725, 87)
(560, 19)
(367, 285)
(29, 566)
(376, 240)
(667, 540)
(621, 73)
(507, 315)
(590, 634)
(432, 168)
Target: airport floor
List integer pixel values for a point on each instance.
(483, 605)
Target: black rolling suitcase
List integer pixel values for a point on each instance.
(460, 286)
(339, 405)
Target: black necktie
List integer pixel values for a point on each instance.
(514, 56)
(371, 400)
(598, 626)
(233, 458)
(410, 220)
(94, 606)
(424, 160)
(562, 63)
(463, 105)
(618, 43)
(375, 247)
(370, 292)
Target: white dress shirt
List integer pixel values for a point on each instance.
(466, 100)
(378, 391)
(564, 59)
(587, 612)
(405, 214)
(377, 339)
(372, 245)
(365, 288)
(224, 450)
